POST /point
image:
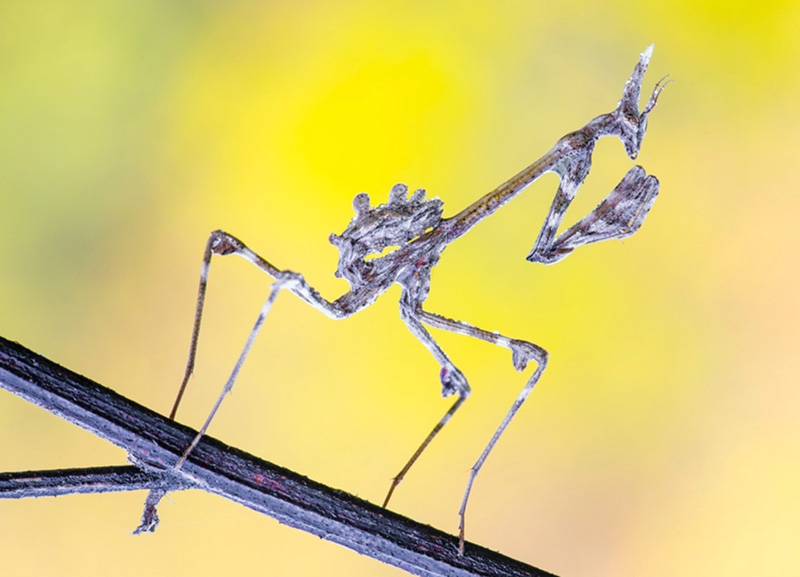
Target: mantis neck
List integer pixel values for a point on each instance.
(486, 205)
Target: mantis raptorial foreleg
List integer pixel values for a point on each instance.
(620, 215)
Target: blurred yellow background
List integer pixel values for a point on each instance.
(663, 438)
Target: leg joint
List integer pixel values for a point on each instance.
(222, 243)
(522, 352)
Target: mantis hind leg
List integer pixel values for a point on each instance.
(221, 243)
(283, 281)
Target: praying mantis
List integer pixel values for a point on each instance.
(413, 227)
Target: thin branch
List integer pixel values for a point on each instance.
(57, 482)
(155, 443)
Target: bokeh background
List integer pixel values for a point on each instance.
(663, 438)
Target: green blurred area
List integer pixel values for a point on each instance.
(663, 437)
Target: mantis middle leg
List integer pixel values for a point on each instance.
(522, 353)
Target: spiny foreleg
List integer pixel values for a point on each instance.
(620, 215)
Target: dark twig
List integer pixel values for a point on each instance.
(56, 482)
(155, 443)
